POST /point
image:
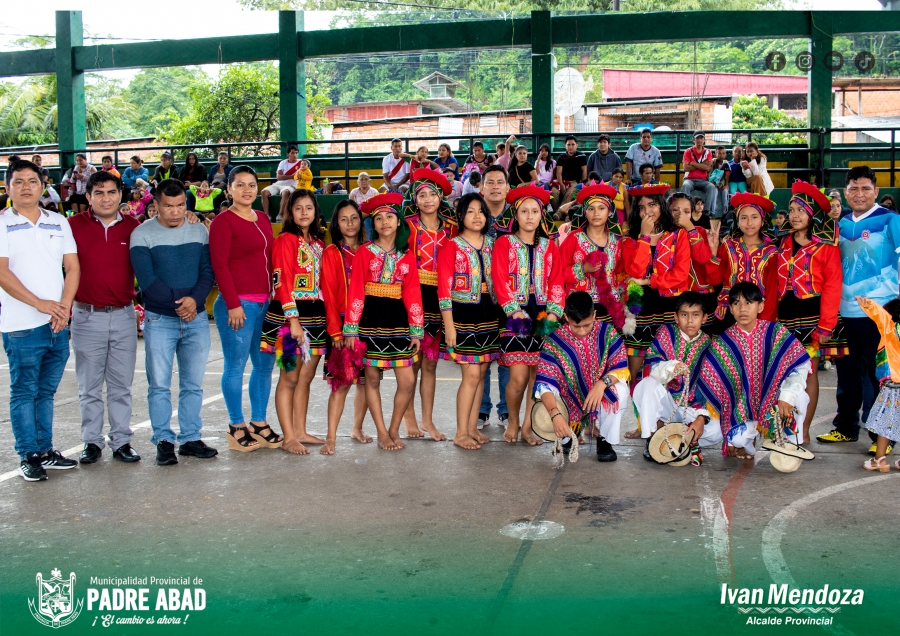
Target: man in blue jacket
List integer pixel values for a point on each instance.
(870, 247)
(171, 261)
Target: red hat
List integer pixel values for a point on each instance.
(812, 194)
(748, 198)
(596, 190)
(528, 191)
(427, 174)
(388, 199)
(649, 190)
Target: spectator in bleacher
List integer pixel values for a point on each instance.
(9, 161)
(420, 160)
(78, 178)
(718, 176)
(478, 161)
(132, 173)
(754, 165)
(504, 152)
(363, 190)
(472, 184)
(394, 170)
(571, 169)
(140, 196)
(219, 174)
(447, 162)
(697, 164)
(699, 216)
(838, 209)
(737, 182)
(304, 176)
(107, 166)
(39, 162)
(617, 180)
(520, 171)
(50, 198)
(887, 202)
(603, 160)
(165, 170)
(284, 180)
(193, 173)
(640, 153)
(204, 197)
(545, 167)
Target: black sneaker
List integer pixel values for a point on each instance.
(197, 448)
(567, 447)
(31, 470)
(165, 454)
(483, 420)
(605, 452)
(90, 454)
(647, 455)
(54, 460)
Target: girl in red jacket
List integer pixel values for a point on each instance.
(347, 236)
(657, 258)
(298, 316)
(681, 206)
(384, 310)
(809, 282)
(528, 281)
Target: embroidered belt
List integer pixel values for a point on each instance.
(427, 278)
(384, 290)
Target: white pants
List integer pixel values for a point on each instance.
(611, 422)
(655, 403)
(275, 189)
(746, 439)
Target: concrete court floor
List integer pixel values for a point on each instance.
(369, 541)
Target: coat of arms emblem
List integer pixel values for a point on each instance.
(55, 605)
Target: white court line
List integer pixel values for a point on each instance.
(145, 424)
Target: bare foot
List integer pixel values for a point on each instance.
(398, 443)
(413, 431)
(512, 433)
(386, 442)
(359, 437)
(531, 438)
(294, 447)
(481, 439)
(328, 448)
(435, 434)
(580, 440)
(739, 453)
(311, 439)
(466, 442)
(636, 433)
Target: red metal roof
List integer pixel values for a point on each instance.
(627, 84)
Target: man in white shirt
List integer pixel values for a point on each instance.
(35, 246)
(395, 170)
(285, 183)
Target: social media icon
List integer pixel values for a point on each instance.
(775, 61)
(834, 61)
(864, 62)
(805, 61)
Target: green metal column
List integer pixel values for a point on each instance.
(291, 78)
(541, 73)
(70, 110)
(820, 99)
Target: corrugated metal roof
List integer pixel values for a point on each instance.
(629, 84)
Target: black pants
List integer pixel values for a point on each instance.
(857, 384)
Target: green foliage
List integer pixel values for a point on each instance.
(751, 111)
(158, 95)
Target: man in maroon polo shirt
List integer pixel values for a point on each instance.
(104, 332)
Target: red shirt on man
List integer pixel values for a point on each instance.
(107, 278)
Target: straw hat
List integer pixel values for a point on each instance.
(787, 458)
(542, 423)
(675, 437)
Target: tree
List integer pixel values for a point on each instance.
(160, 96)
(751, 111)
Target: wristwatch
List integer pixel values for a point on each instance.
(607, 380)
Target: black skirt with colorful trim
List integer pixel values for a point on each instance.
(384, 329)
(312, 319)
(434, 324)
(521, 349)
(656, 311)
(800, 316)
(477, 332)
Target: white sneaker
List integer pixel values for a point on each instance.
(483, 420)
(502, 420)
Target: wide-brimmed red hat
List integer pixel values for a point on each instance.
(596, 190)
(387, 200)
(433, 176)
(757, 200)
(528, 191)
(811, 194)
(648, 190)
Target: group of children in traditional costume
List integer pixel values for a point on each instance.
(660, 307)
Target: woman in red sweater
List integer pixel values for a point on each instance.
(240, 247)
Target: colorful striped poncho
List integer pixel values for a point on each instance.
(741, 373)
(569, 366)
(668, 344)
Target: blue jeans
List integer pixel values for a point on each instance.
(37, 358)
(237, 346)
(166, 338)
(486, 397)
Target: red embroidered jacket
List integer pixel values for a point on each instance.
(460, 275)
(297, 269)
(815, 270)
(700, 256)
(735, 264)
(574, 252)
(392, 272)
(426, 245)
(513, 277)
(337, 264)
(670, 269)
